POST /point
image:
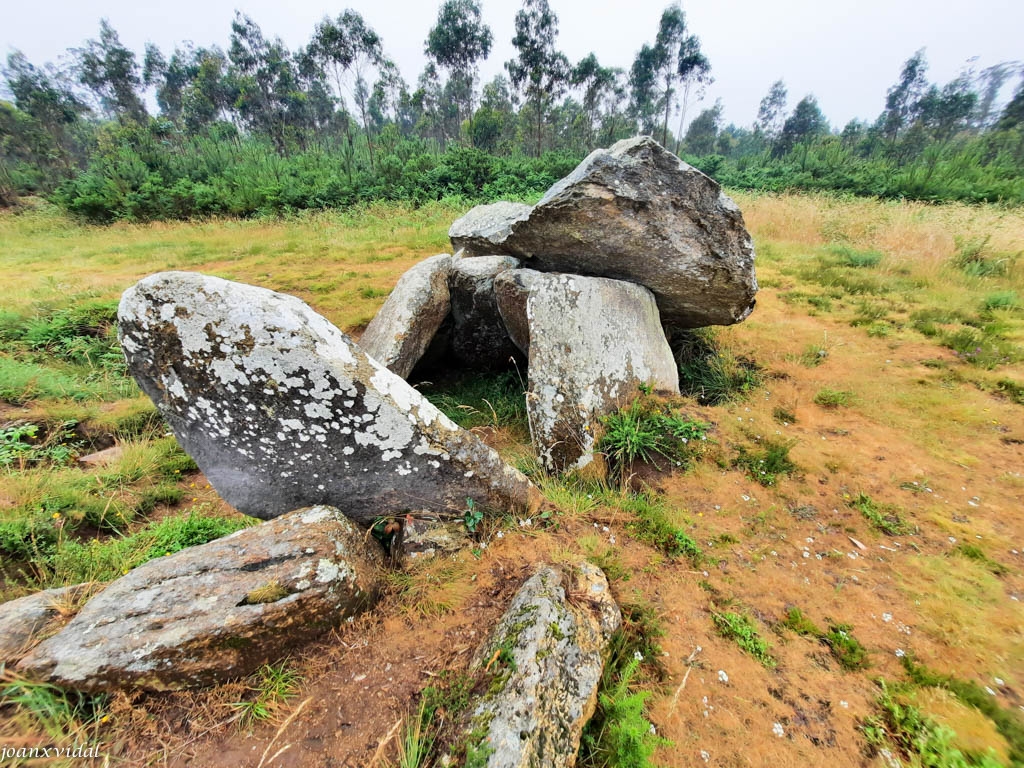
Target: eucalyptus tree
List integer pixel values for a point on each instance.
(539, 72)
(348, 50)
(111, 72)
(457, 42)
(595, 82)
(806, 122)
(903, 98)
(771, 112)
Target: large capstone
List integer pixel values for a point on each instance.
(482, 231)
(637, 212)
(216, 611)
(405, 325)
(547, 654)
(281, 410)
(479, 339)
(593, 342)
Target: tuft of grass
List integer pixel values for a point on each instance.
(847, 649)
(430, 588)
(269, 687)
(885, 518)
(813, 356)
(1008, 722)
(652, 523)
(647, 429)
(834, 398)
(973, 257)
(903, 731)
(799, 623)
(711, 373)
(1001, 300)
(59, 714)
(767, 463)
(977, 554)
(741, 629)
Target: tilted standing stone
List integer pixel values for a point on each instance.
(592, 343)
(555, 635)
(637, 212)
(404, 326)
(479, 337)
(219, 610)
(281, 410)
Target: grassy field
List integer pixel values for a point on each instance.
(834, 575)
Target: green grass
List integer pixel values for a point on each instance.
(63, 716)
(977, 554)
(741, 629)
(647, 430)
(620, 735)
(481, 400)
(653, 523)
(834, 398)
(766, 462)
(905, 732)
(884, 518)
(1008, 722)
(851, 257)
(269, 687)
(710, 372)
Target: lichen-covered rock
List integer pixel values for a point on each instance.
(510, 291)
(216, 611)
(404, 326)
(479, 338)
(482, 231)
(27, 621)
(637, 212)
(548, 653)
(281, 410)
(593, 342)
(425, 538)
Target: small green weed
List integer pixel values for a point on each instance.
(834, 398)
(846, 648)
(783, 415)
(884, 518)
(619, 734)
(652, 523)
(796, 621)
(473, 515)
(1001, 300)
(270, 687)
(741, 629)
(767, 463)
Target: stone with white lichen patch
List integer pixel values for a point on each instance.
(592, 342)
(282, 410)
(216, 611)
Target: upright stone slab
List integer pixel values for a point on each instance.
(479, 339)
(404, 326)
(482, 231)
(219, 610)
(282, 410)
(510, 291)
(637, 212)
(593, 342)
(547, 654)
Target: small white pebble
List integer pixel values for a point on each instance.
(844, 704)
(952, 539)
(806, 553)
(637, 656)
(900, 653)
(989, 691)
(999, 681)
(777, 730)
(500, 535)
(611, 539)
(722, 677)
(886, 617)
(705, 756)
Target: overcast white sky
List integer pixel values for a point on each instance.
(846, 52)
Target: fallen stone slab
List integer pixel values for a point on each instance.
(479, 339)
(405, 325)
(216, 611)
(281, 410)
(27, 621)
(547, 654)
(483, 230)
(102, 458)
(637, 212)
(593, 342)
